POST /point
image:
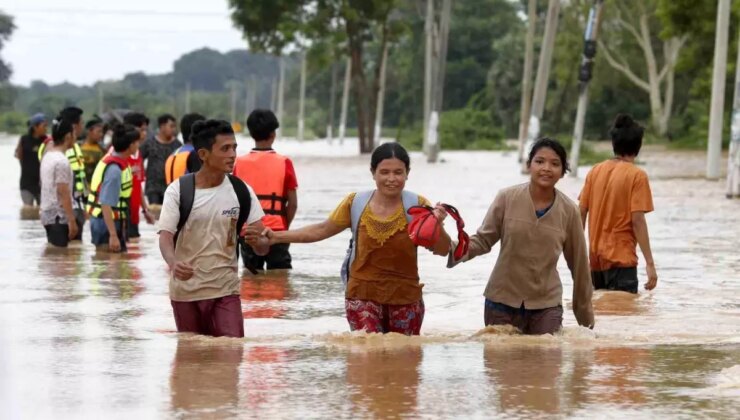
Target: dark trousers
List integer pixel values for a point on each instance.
(622, 279)
(528, 321)
(155, 198)
(215, 317)
(57, 234)
(80, 219)
(278, 257)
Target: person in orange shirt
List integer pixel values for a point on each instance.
(273, 179)
(614, 200)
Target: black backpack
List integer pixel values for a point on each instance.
(187, 197)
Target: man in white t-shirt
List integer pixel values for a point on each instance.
(57, 213)
(202, 256)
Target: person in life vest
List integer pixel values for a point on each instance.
(111, 190)
(383, 291)
(183, 160)
(274, 180)
(136, 161)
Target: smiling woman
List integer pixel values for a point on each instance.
(535, 223)
(383, 291)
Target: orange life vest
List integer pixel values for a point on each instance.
(264, 171)
(177, 163)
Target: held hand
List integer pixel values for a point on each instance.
(253, 233)
(114, 244)
(439, 213)
(73, 229)
(182, 270)
(149, 217)
(652, 277)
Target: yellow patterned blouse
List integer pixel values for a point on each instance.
(385, 268)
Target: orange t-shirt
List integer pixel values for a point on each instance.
(614, 189)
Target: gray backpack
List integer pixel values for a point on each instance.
(358, 206)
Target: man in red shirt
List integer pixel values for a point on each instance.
(141, 122)
(273, 179)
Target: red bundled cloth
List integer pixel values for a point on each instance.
(425, 231)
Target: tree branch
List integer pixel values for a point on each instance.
(671, 48)
(624, 68)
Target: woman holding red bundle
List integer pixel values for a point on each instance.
(383, 292)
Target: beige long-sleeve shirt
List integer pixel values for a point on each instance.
(526, 270)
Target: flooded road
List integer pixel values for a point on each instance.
(92, 335)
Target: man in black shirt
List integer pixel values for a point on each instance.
(27, 154)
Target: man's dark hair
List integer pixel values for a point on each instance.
(71, 114)
(205, 132)
(164, 119)
(555, 146)
(93, 122)
(626, 136)
(137, 119)
(261, 124)
(123, 136)
(186, 124)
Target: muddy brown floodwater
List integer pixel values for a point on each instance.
(92, 336)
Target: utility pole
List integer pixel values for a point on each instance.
(281, 91)
(714, 143)
(345, 100)
(428, 71)
(733, 160)
(233, 84)
(187, 97)
(101, 103)
(247, 98)
(381, 97)
(273, 97)
(584, 75)
(543, 72)
(438, 72)
(332, 103)
(527, 77)
(302, 98)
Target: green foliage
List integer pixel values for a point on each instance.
(471, 129)
(6, 30)
(13, 123)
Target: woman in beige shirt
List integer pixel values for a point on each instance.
(383, 291)
(535, 223)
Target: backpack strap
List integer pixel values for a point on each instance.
(409, 200)
(245, 201)
(187, 197)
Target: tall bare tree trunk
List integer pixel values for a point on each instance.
(527, 77)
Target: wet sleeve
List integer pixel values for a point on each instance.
(291, 181)
(169, 216)
(110, 190)
(642, 197)
(585, 196)
(576, 255)
(255, 209)
(341, 216)
(488, 233)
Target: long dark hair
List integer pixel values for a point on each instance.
(60, 129)
(389, 151)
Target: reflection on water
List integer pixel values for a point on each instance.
(205, 377)
(384, 383)
(86, 334)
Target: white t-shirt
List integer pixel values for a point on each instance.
(208, 241)
(54, 170)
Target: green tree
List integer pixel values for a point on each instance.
(274, 26)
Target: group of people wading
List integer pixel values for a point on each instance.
(218, 205)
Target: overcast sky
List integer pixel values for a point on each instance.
(82, 41)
